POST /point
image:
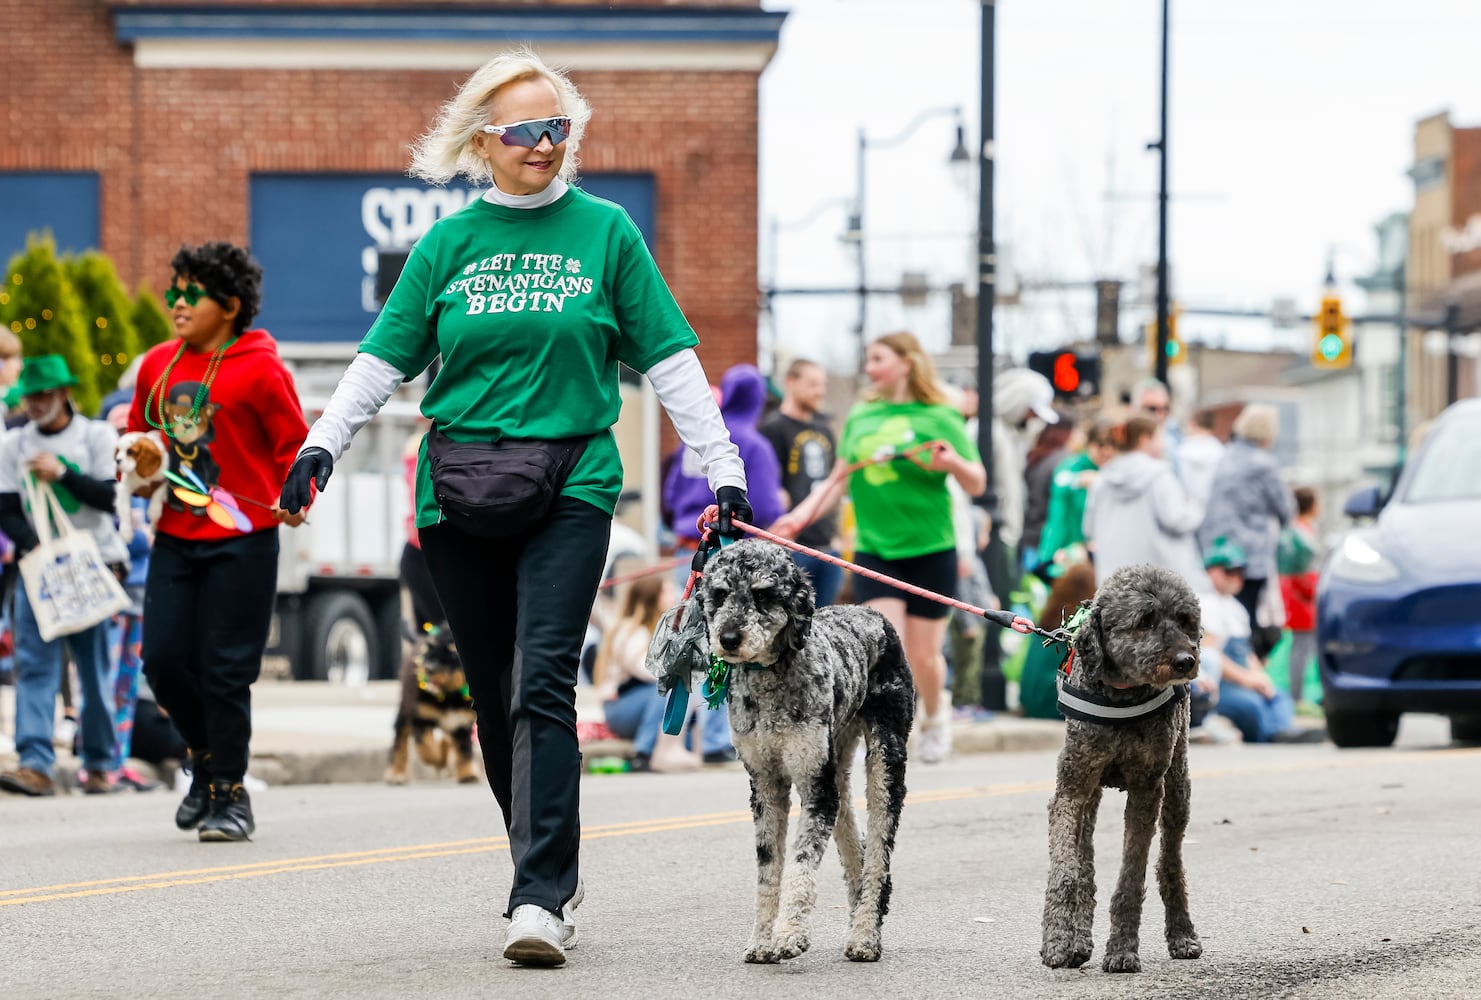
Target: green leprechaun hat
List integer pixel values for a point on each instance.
(43, 373)
(1224, 553)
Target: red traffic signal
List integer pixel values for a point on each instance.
(1066, 377)
(1071, 374)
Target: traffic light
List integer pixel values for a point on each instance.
(1177, 353)
(1073, 375)
(1331, 346)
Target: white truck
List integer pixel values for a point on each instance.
(339, 613)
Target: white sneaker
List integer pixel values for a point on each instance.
(935, 733)
(538, 937)
(568, 922)
(65, 734)
(935, 743)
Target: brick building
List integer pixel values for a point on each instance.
(1444, 260)
(136, 127)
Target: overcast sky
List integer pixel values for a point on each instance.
(1291, 129)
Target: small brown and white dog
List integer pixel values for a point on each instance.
(140, 456)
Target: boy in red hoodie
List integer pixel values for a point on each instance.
(1299, 569)
(232, 424)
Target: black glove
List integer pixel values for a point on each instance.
(313, 465)
(733, 505)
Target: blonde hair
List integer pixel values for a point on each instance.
(641, 609)
(924, 386)
(1258, 423)
(447, 151)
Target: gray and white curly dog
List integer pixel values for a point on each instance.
(1141, 639)
(806, 687)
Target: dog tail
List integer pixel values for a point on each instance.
(891, 688)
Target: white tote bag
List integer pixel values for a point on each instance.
(69, 585)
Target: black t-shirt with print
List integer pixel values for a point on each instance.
(806, 450)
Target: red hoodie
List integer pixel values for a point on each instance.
(247, 432)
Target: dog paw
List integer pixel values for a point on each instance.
(468, 777)
(1121, 961)
(1185, 947)
(395, 777)
(762, 955)
(791, 944)
(863, 951)
(1060, 954)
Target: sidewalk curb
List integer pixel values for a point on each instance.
(1010, 735)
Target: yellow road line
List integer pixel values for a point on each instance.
(483, 845)
(479, 842)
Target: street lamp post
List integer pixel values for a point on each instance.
(987, 278)
(959, 154)
(1161, 146)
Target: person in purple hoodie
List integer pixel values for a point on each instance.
(687, 493)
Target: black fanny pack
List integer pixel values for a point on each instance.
(499, 489)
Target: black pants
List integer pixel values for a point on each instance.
(209, 606)
(425, 609)
(518, 609)
(1001, 562)
(155, 737)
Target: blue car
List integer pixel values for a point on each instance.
(1398, 607)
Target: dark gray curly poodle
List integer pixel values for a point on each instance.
(1126, 706)
(806, 688)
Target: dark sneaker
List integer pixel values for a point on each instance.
(726, 756)
(27, 781)
(97, 783)
(230, 817)
(197, 801)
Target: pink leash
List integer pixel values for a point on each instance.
(1006, 619)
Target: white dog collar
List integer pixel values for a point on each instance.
(1086, 706)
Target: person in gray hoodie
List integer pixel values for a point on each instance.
(1248, 500)
(1137, 510)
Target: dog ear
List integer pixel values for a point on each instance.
(1088, 652)
(800, 604)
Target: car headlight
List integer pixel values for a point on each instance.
(1357, 560)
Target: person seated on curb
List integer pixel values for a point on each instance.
(631, 704)
(1247, 696)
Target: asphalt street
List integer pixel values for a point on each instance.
(1313, 872)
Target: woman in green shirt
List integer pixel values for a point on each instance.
(532, 295)
(902, 510)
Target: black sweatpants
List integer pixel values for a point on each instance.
(518, 610)
(208, 607)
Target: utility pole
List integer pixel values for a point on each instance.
(857, 225)
(986, 256)
(1161, 146)
(1452, 362)
(993, 685)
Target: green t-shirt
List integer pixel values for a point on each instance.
(901, 509)
(531, 310)
(1064, 522)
